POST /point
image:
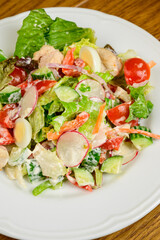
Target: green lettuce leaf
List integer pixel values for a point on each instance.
(67, 81)
(2, 56)
(37, 121)
(62, 33)
(78, 46)
(128, 54)
(32, 33)
(140, 108)
(6, 67)
(47, 97)
(107, 76)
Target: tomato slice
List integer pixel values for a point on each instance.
(41, 85)
(119, 114)
(18, 76)
(113, 143)
(136, 71)
(5, 136)
(6, 116)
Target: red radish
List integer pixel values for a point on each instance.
(128, 151)
(95, 89)
(72, 147)
(28, 102)
(96, 99)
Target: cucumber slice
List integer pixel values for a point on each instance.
(112, 164)
(140, 141)
(10, 94)
(43, 74)
(83, 177)
(66, 94)
(98, 177)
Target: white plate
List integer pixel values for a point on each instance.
(71, 213)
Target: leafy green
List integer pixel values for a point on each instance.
(33, 170)
(135, 92)
(32, 33)
(67, 81)
(62, 33)
(140, 108)
(2, 56)
(92, 159)
(78, 46)
(128, 54)
(6, 68)
(107, 76)
(84, 88)
(82, 77)
(56, 106)
(18, 156)
(47, 97)
(37, 121)
(45, 185)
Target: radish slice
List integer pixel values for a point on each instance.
(28, 102)
(4, 156)
(128, 151)
(90, 88)
(72, 147)
(96, 99)
(22, 132)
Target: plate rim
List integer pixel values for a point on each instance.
(151, 202)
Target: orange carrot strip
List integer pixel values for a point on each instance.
(70, 125)
(151, 64)
(139, 132)
(99, 119)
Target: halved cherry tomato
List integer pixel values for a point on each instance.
(113, 143)
(119, 114)
(41, 85)
(136, 71)
(5, 136)
(18, 76)
(6, 116)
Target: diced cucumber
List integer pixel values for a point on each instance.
(43, 74)
(140, 141)
(66, 94)
(83, 177)
(10, 94)
(112, 164)
(18, 156)
(98, 177)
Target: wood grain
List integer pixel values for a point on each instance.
(144, 13)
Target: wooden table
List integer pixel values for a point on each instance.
(144, 13)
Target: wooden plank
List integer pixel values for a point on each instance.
(10, 7)
(144, 13)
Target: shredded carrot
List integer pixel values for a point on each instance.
(70, 125)
(139, 132)
(99, 119)
(151, 64)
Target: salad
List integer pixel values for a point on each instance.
(69, 109)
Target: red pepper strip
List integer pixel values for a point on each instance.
(5, 116)
(5, 136)
(113, 143)
(41, 85)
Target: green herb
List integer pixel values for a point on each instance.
(34, 170)
(84, 88)
(92, 159)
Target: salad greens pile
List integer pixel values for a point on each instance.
(69, 110)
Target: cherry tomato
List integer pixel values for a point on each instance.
(18, 76)
(119, 114)
(6, 116)
(41, 85)
(5, 136)
(136, 71)
(113, 143)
